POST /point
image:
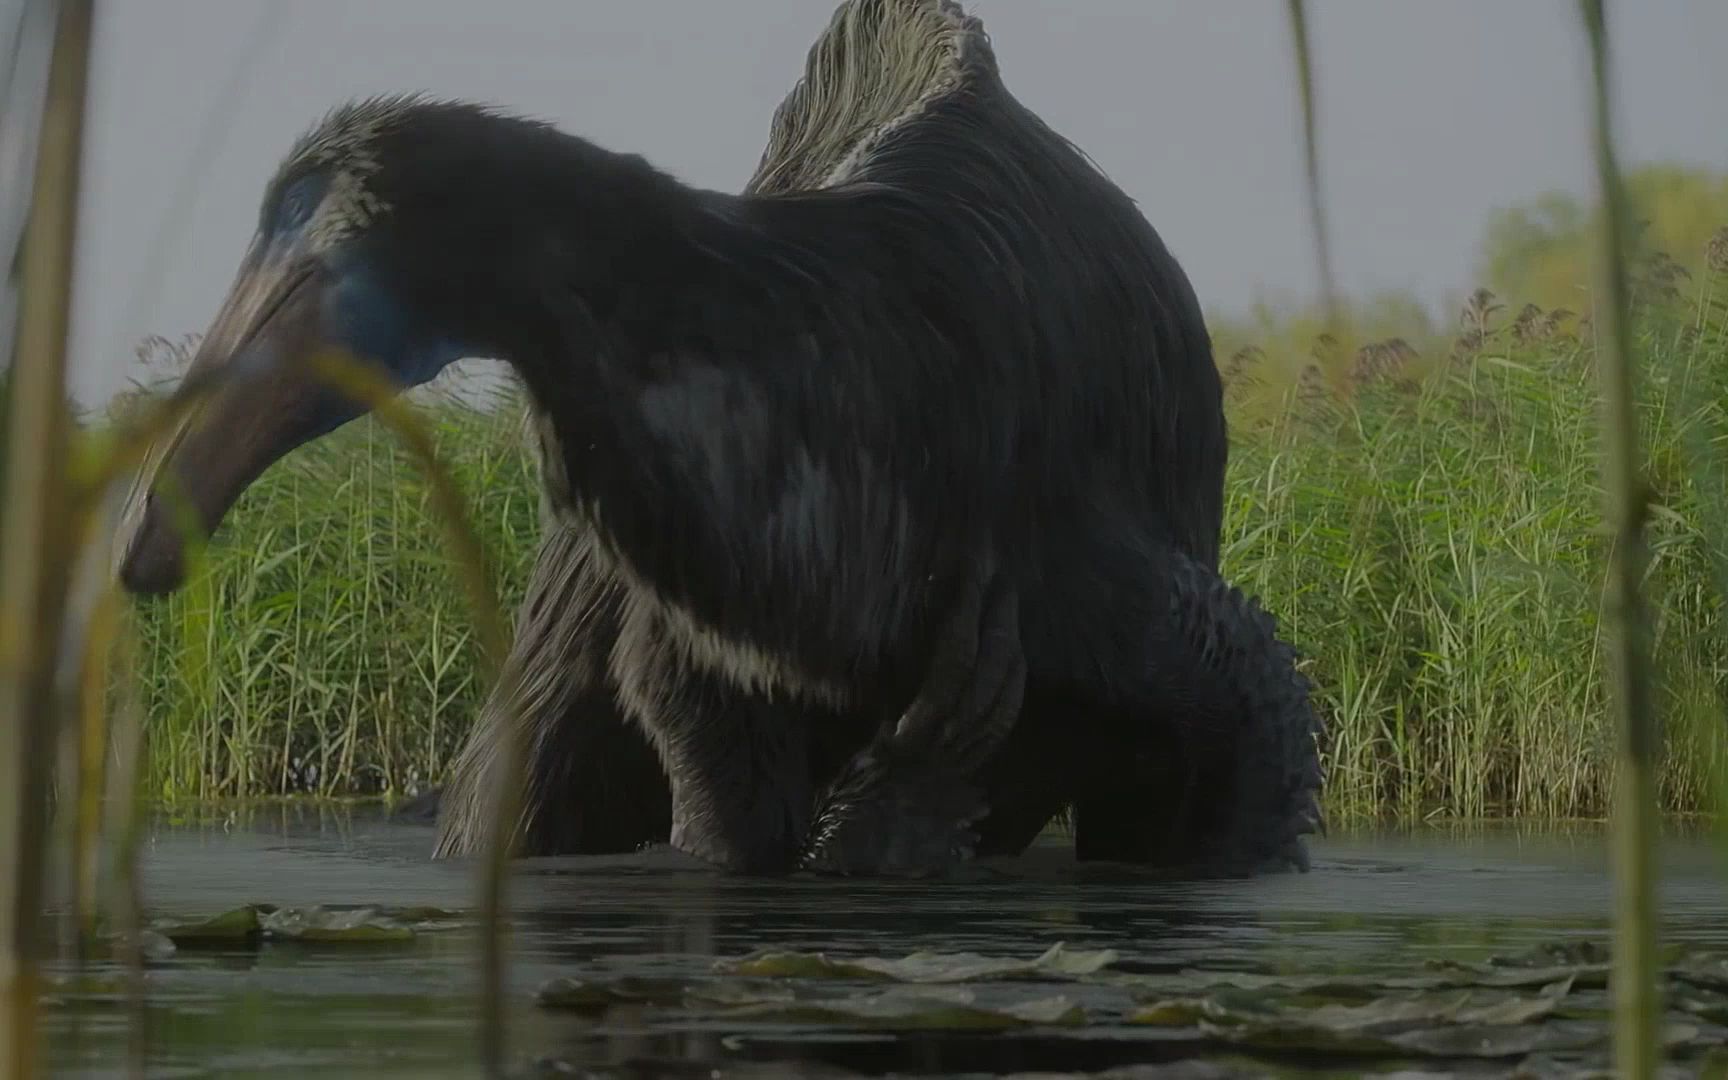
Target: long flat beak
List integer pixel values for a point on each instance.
(266, 402)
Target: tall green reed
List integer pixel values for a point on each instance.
(1433, 545)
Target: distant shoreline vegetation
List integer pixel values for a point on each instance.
(1419, 507)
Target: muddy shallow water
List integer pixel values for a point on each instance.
(1438, 953)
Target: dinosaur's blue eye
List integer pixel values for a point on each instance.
(297, 202)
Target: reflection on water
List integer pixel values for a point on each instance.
(1373, 905)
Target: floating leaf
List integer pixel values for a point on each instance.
(581, 996)
(1712, 1007)
(424, 916)
(1195, 982)
(1056, 962)
(1704, 972)
(735, 993)
(1516, 1010)
(927, 1008)
(771, 963)
(237, 924)
(155, 946)
(1452, 1024)
(1052, 1010)
(1509, 972)
(1581, 977)
(1221, 1008)
(1491, 1041)
(592, 996)
(924, 1007)
(1676, 1035)
(319, 924)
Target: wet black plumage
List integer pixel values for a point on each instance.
(938, 438)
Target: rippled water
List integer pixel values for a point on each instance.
(1386, 906)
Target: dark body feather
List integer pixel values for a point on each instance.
(973, 343)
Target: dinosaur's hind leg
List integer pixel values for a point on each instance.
(591, 783)
(1164, 711)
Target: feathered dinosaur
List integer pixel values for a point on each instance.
(883, 498)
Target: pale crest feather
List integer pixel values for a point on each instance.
(344, 135)
(877, 65)
(344, 141)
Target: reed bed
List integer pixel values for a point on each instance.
(1429, 532)
(1423, 516)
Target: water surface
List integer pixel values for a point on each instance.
(1391, 909)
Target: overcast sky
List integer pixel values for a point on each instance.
(1432, 113)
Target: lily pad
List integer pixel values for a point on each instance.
(1456, 1024)
(1711, 1007)
(926, 1008)
(588, 997)
(1704, 972)
(1571, 954)
(595, 996)
(323, 925)
(1193, 981)
(1591, 976)
(426, 917)
(1491, 1040)
(236, 924)
(1056, 962)
(1347, 987)
(1228, 1007)
(254, 922)
(153, 945)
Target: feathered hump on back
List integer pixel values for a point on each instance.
(877, 65)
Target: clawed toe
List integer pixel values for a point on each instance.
(899, 821)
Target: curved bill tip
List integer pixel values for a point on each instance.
(149, 564)
(265, 403)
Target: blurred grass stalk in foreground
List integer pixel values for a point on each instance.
(1626, 504)
(1637, 1011)
(468, 553)
(35, 567)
